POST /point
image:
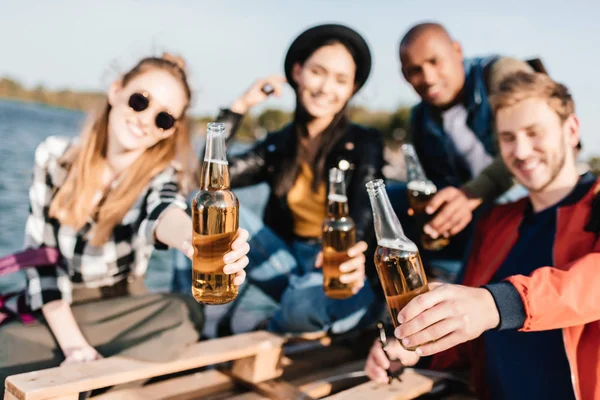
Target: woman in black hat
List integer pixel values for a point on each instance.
(326, 65)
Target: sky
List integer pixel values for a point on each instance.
(82, 44)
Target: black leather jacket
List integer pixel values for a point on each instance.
(361, 147)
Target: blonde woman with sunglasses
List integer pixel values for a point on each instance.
(104, 201)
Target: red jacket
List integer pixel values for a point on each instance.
(566, 296)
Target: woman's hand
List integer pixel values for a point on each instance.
(255, 95)
(235, 260)
(76, 355)
(352, 270)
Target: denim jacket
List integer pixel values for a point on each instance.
(442, 162)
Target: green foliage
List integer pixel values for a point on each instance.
(272, 119)
(393, 126)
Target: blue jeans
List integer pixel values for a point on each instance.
(284, 288)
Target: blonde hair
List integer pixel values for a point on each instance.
(74, 203)
(521, 85)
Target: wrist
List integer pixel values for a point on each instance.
(473, 200)
(239, 106)
(492, 312)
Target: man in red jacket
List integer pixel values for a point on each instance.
(527, 320)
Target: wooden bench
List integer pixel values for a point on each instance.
(250, 366)
(255, 357)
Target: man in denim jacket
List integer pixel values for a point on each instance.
(452, 132)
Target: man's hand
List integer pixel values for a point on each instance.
(352, 270)
(454, 216)
(447, 315)
(377, 362)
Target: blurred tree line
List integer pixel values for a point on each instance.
(393, 125)
(79, 100)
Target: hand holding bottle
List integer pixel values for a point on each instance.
(353, 270)
(455, 212)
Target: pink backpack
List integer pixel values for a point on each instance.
(43, 256)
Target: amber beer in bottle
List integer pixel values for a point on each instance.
(215, 222)
(397, 258)
(420, 191)
(339, 234)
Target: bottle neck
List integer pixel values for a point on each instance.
(387, 225)
(215, 168)
(337, 206)
(414, 169)
(337, 201)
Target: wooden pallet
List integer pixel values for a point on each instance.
(250, 366)
(255, 357)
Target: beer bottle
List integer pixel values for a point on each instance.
(215, 222)
(397, 258)
(339, 234)
(420, 191)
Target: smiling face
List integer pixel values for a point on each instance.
(536, 145)
(137, 130)
(326, 80)
(433, 65)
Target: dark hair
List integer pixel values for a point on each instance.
(315, 153)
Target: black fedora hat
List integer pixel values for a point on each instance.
(313, 38)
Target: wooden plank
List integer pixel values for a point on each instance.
(67, 397)
(319, 336)
(278, 389)
(260, 367)
(316, 385)
(193, 386)
(8, 395)
(72, 379)
(412, 385)
(302, 364)
(324, 382)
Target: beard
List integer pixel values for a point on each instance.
(555, 168)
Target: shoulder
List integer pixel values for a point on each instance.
(280, 135)
(277, 141)
(503, 66)
(480, 62)
(499, 214)
(167, 178)
(363, 133)
(416, 111)
(52, 148)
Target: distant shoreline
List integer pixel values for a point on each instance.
(38, 103)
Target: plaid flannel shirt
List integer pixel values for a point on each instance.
(125, 254)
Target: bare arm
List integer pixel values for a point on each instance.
(174, 228)
(62, 323)
(60, 319)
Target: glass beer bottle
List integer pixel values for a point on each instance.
(215, 222)
(420, 191)
(339, 234)
(397, 258)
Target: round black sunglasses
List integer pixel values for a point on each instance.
(140, 101)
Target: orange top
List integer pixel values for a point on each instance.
(309, 209)
(565, 296)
